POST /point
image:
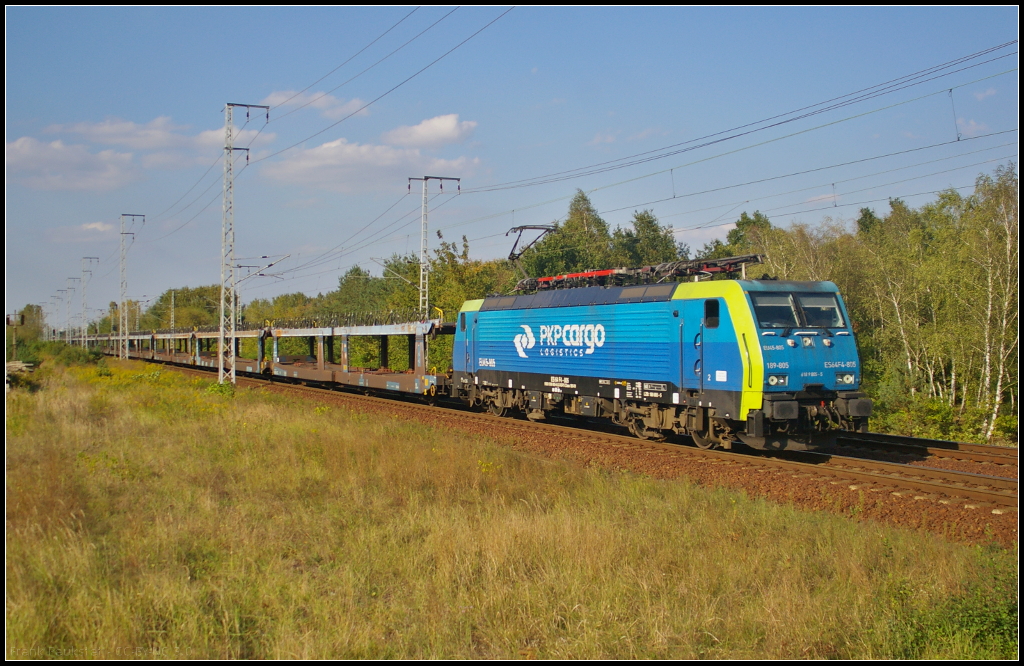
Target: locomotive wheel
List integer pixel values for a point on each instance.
(639, 430)
(493, 408)
(703, 440)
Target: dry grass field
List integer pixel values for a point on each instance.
(151, 515)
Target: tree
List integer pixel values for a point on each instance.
(867, 221)
(749, 233)
(358, 292)
(933, 297)
(646, 244)
(193, 306)
(582, 242)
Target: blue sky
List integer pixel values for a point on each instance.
(114, 111)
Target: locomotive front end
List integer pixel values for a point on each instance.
(812, 371)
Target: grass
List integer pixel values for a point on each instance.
(150, 516)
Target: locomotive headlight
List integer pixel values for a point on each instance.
(777, 380)
(845, 378)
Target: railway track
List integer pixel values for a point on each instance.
(933, 448)
(950, 487)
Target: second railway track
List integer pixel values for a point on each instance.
(942, 449)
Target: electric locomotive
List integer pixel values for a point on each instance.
(771, 364)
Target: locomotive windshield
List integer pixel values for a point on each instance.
(785, 310)
(820, 310)
(775, 310)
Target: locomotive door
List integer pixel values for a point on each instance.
(692, 344)
(471, 333)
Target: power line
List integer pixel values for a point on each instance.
(201, 210)
(379, 37)
(382, 96)
(351, 236)
(710, 223)
(869, 96)
(373, 240)
(325, 94)
(748, 147)
(833, 166)
(428, 66)
(885, 88)
(217, 161)
(206, 173)
(368, 242)
(805, 131)
(701, 225)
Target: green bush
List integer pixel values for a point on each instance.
(226, 389)
(980, 622)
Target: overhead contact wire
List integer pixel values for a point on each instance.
(382, 96)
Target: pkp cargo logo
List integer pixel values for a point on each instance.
(524, 340)
(587, 337)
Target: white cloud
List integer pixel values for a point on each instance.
(643, 134)
(168, 146)
(158, 133)
(602, 137)
(971, 128)
(329, 106)
(431, 133)
(89, 232)
(58, 166)
(97, 226)
(985, 93)
(311, 202)
(345, 167)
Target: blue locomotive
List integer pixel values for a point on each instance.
(772, 364)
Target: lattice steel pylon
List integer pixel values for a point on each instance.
(122, 310)
(424, 259)
(56, 311)
(67, 330)
(228, 270)
(85, 320)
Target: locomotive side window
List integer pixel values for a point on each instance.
(462, 322)
(774, 310)
(821, 310)
(711, 314)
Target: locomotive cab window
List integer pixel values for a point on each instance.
(774, 310)
(783, 310)
(711, 317)
(820, 310)
(462, 322)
